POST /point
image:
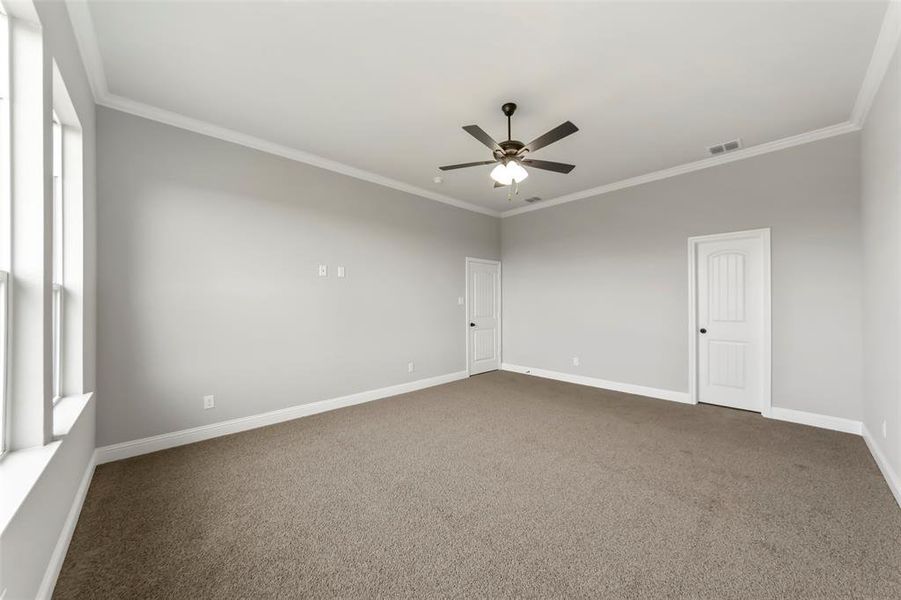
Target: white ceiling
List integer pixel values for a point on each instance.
(385, 87)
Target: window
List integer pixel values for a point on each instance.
(58, 245)
(4, 344)
(5, 228)
(36, 220)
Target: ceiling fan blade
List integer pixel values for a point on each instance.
(554, 135)
(498, 184)
(548, 165)
(464, 165)
(479, 134)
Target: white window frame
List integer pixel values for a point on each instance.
(58, 248)
(4, 371)
(58, 292)
(5, 229)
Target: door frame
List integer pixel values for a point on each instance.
(466, 320)
(766, 349)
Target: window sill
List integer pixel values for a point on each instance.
(21, 469)
(66, 411)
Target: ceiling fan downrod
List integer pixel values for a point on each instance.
(509, 108)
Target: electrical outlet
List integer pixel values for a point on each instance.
(410, 367)
(209, 402)
(576, 361)
(884, 429)
(341, 272)
(323, 270)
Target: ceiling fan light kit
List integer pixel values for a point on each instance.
(510, 155)
(507, 173)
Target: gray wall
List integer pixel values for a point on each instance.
(208, 283)
(606, 278)
(881, 185)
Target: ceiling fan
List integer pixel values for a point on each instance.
(511, 155)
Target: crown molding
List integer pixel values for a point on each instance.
(236, 137)
(774, 146)
(883, 52)
(86, 37)
(82, 23)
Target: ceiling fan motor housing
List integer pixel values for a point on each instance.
(509, 149)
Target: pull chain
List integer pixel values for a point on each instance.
(514, 191)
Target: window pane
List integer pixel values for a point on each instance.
(57, 202)
(57, 338)
(4, 221)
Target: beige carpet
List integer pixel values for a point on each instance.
(502, 485)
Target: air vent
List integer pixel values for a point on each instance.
(533, 199)
(724, 147)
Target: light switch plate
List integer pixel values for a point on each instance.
(323, 270)
(460, 301)
(340, 272)
(209, 402)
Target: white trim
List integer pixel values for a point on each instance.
(4, 361)
(79, 14)
(891, 477)
(774, 146)
(86, 36)
(795, 416)
(777, 413)
(766, 361)
(813, 419)
(122, 450)
(65, 536)
(628, 388)
(500, 307)
(229, 135)
(883, 52)
(56, 351)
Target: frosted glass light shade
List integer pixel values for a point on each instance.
(501, 175)
(516, 171)
(505, 174)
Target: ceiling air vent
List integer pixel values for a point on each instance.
(724, 147)
(533, 199)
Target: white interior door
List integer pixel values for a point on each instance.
(731, 297)
(483, 322)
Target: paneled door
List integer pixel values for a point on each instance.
(732, 303)
(483, 315)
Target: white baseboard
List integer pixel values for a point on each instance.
(814, 420)
(122, 450)
(891, 477)
(629, 388)
(62, 545)
(152, 444)
(781, 414)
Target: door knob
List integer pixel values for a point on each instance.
(703, 330)
(472, 324)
